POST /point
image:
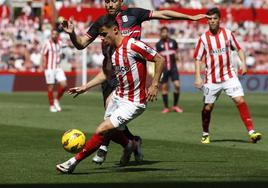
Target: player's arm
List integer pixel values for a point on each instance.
(199, 54)
(143, 51)
(43, 60)
(243, 65)
(80, 42)
(173, 15)
(159, 66)
(198, 83)
(178, 54)
(235, 46)
(44, 52)
(98, 79)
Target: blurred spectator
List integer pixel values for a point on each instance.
(96, 58)
(47, 11)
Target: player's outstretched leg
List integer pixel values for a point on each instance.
(91, 146)
(67, 167)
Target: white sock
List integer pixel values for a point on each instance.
(205, 134)
(103, 147)
(73, 160)
(251, 131)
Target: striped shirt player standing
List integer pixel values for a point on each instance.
(130, 24)
(130, 97)
(54, 74)
(214, 48)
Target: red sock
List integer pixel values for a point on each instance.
(119, 138)
(60, 92)
(245, 115)
(50, 98)
(90, 147)
(205, 120)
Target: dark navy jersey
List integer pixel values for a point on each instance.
(168, 49)
(129, 21)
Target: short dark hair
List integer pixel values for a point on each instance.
(164, 28)
(109, 21)
(214, 10)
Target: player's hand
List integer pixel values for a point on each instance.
(152, 94)
(244, 69)
(200, 16)
(198, 83)
(68, 26)
(75, 91)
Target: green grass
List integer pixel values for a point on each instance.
(30, 142)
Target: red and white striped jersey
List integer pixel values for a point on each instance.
(52, 51)
(217, 52)
(129, 64)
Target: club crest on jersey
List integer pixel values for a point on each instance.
(125, 32)
(124, 18)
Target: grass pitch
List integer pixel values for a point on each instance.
(30, 142)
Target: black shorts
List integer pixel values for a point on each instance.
(173, 73)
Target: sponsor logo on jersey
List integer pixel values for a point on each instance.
(122, 70)
(218, 51)
(124, 18)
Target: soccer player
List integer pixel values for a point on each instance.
(215, 46)
(129, 20)
(168, 48)
(129, 99)
(54, 74)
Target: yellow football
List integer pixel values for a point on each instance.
(73, 140)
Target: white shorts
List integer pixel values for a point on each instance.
(53, 75)
(231, 87)
(121, 111)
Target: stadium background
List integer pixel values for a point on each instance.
(24, 25)
(174, 157)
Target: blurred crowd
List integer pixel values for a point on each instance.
(198, 4)
(21, 41)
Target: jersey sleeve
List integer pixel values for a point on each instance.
(93, 31)
(200, 50)
(143, 51)
(234, 43)
(141, 14)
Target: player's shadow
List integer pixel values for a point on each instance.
(144, 162)
(123, 169)
(230, 140)
(131, 167)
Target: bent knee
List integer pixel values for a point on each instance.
(208, 107)
(238, 100)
